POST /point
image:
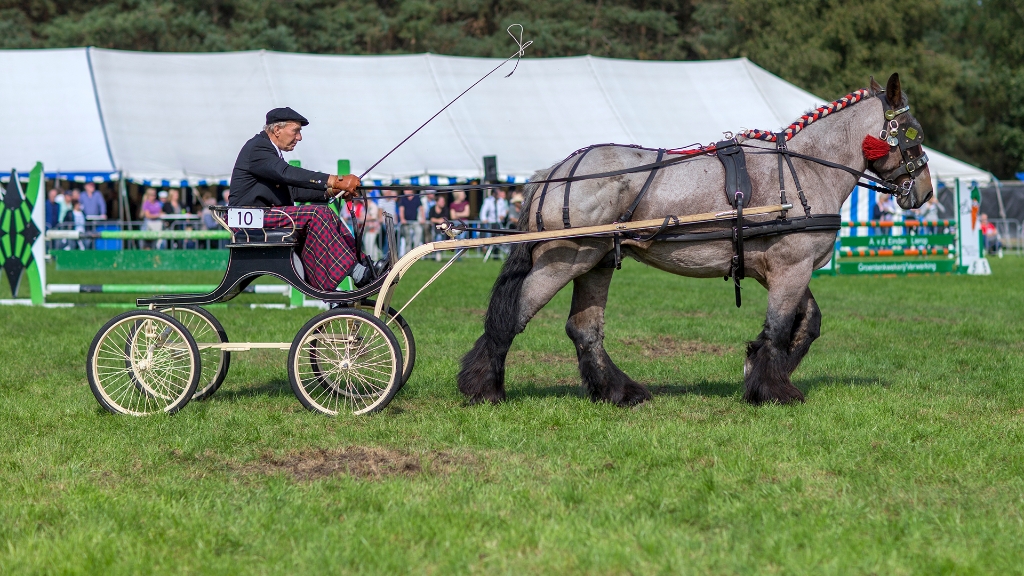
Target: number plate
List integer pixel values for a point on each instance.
(245, 218)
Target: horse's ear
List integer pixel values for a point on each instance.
(875, 86)
(893, 92)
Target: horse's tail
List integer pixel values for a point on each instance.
(482, 377)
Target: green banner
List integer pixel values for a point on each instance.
(898, 267)
(140, 259)
(940, 240)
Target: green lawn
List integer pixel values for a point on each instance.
(906, 458)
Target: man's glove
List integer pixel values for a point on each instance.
(345, 185)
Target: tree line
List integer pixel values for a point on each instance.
(962, 61)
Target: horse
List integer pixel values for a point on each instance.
(832, 148)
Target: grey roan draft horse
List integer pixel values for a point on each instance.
(534, 273)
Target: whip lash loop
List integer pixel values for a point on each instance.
(518, 55)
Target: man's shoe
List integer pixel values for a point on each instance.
(367, 271)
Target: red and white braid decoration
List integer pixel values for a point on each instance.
(809, 118)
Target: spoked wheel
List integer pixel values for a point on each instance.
(143, 362)
(345, 360)
(205, 329)
(403, 333)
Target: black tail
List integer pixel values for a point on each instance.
(482, 377)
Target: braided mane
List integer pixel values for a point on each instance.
(811, 117)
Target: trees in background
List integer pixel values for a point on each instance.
(962, 61)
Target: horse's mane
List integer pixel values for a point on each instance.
(811, 117)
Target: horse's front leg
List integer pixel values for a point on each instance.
(790, 326)
(603, 380)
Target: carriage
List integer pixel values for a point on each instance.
(353, 357)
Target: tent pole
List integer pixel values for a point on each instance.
(999, 196)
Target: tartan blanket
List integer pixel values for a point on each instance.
(328, 252)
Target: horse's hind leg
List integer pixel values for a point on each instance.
(528, 280)
(602, 379)
(790, 326)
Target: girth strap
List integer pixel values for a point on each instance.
(730, 154)
(738, 269)
(628, 214)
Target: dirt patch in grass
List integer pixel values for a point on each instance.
(357, 461)
(664, 346)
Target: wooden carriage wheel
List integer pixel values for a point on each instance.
(143, 362)
(205, 329)
(345, 360)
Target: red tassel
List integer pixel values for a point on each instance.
(874, 148)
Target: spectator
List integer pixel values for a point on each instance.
(52, 209)
(225, 196)
(929, 214)
(209, 222)
(439, 214)
(428, 200)
(63, 204)
(173, 203)
(93, 203)
(76, 217)
(371, 231)
(411, 217)
(387, 205)
(514, 210)
(460, 208)
(489, 212)
(993, 242)
(885, 211)
(501, 207)
(152, 210)
(173, 207)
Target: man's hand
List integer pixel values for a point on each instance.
(345, 185)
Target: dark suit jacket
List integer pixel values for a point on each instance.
(262, 178)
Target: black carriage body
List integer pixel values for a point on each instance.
(269, 252)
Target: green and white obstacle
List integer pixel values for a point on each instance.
(898, 247)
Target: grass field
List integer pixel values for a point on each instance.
(906, 458)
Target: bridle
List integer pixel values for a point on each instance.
(908, 139)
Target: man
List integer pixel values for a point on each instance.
(993, 242)
(93, 203)
(261, 177)
(411, 217)
(52, 209)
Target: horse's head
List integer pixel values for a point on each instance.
(904, 165)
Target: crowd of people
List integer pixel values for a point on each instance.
(415, 215)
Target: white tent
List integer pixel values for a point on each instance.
(181, 118)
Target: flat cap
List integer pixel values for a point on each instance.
(285, 115)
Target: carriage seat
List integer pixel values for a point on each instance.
(264, 237)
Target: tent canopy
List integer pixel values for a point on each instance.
(174, 118)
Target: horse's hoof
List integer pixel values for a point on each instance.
(634, 395)
(485, 399)
(788, 394)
